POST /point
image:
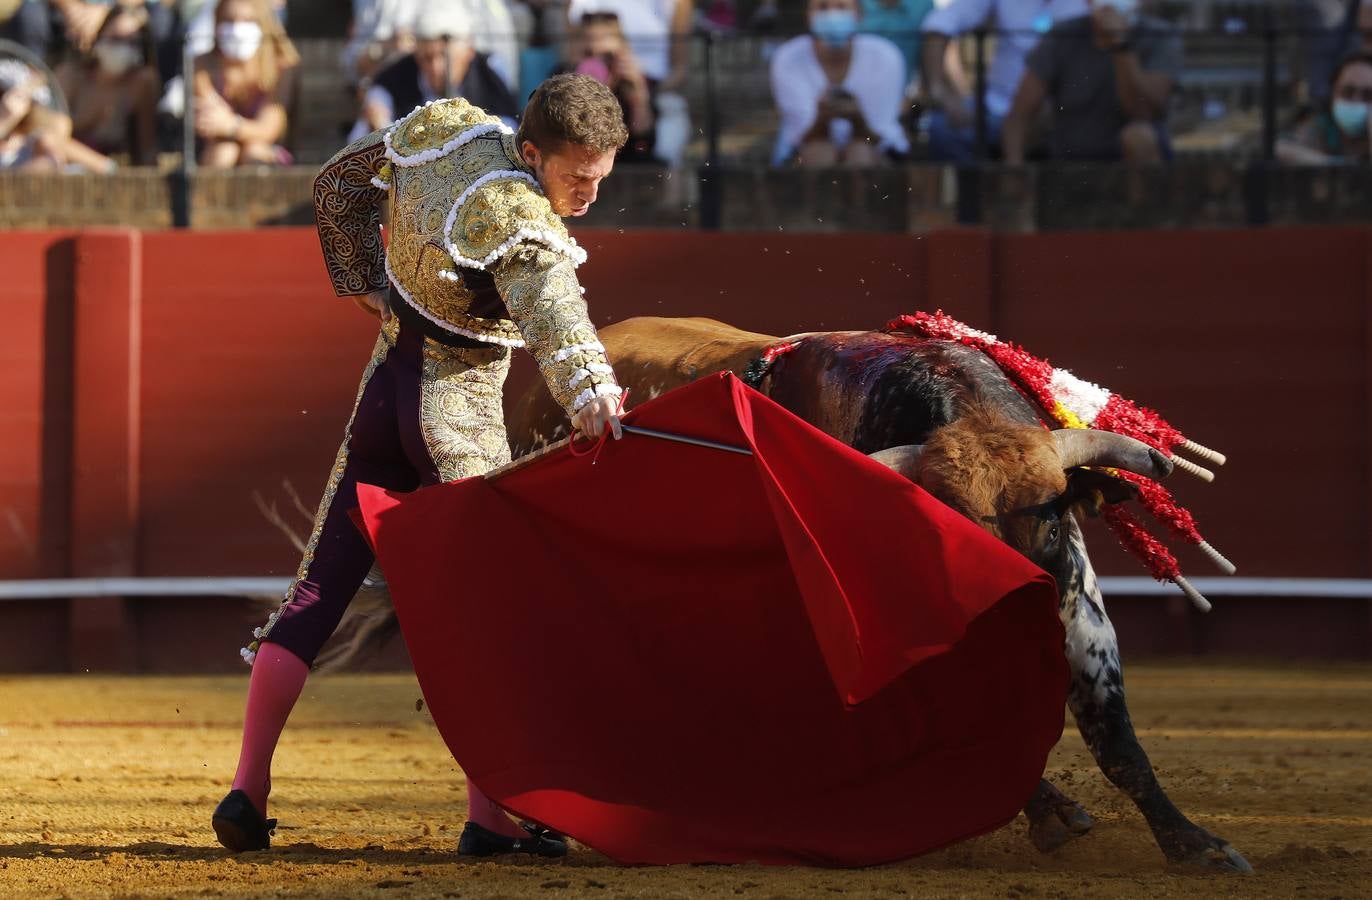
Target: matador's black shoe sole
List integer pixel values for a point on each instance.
(477, 841)
(239, 826)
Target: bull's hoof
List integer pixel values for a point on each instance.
(1065, 822)
(1217, 857)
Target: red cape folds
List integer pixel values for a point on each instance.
(685, 655)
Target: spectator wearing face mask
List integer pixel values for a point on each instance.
(51, 27)
(1018, 25)
(839, 92)
(444, 64)
(1109, 76)
(112, 91)
(1342, 131)
(242, 87)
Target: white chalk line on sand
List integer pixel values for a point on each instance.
(1126, 586)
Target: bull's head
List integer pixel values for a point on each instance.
(1020, 483)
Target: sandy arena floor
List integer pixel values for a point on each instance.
(108, 784)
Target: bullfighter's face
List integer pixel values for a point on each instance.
(569, 175)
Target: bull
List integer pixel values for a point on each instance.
(947, 417)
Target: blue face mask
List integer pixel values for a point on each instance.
(834, 27)
(1351, 117)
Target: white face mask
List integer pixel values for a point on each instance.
(116, 59)
(238, 40)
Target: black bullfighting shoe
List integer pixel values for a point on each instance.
(239, 826)
(478, 841)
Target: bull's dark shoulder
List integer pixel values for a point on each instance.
(917, 386)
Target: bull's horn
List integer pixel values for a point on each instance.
(903, 460)
(1088, 447)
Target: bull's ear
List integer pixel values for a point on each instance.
(1089, 490)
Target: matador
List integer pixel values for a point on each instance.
(476, 264)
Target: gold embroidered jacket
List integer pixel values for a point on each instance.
(474, 248)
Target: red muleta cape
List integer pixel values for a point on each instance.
(683, 655)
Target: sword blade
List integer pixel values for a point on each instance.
(628, 429)
(685, 439)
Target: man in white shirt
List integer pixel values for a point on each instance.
(1018, 25)
(444, 63)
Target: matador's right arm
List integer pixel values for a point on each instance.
(347, 194)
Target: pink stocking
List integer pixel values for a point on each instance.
(483, 812)
(278, 676)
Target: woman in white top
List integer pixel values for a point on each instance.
(839, 92)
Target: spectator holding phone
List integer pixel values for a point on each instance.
(839, 92)
(599, 49)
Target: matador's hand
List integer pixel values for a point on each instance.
(592, 419)
(376, 304)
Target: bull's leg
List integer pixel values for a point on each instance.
(1054, 818)
(1096, 698)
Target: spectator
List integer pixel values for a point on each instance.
(1329, 35)
(1342, 131)
(33, 135)
(659, 32)
(50, 27)
(444, 64)
(839, 92)
(540, 55)
(1019, 25)
(112, 91)
(243, 87)
(383, 31)
(1109, 75)
(598, 49)
(898, 21)
(29, 130)
(199, 14)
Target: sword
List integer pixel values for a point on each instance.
(628, 429)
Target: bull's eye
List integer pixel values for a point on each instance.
(1052, 534)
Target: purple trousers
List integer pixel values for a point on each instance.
(384, 446)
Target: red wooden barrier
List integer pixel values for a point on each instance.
(156, 382)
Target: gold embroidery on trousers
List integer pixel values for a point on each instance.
(461, 410)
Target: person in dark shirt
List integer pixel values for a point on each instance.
(1109, 75)
(599, 49)
(1340, 132)
(444, 64)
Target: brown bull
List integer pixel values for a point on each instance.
(945, 416)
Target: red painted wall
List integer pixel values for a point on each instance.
(35, 307)
(155, 382)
